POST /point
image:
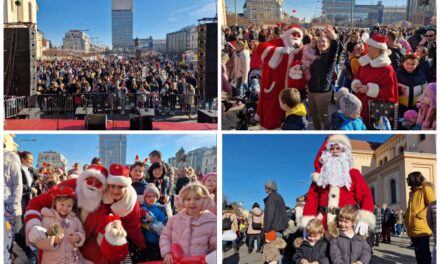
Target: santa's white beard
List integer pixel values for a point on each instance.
(335, 171)
(290, 41)
(89, 198)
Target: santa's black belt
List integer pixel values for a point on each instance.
(325, 210)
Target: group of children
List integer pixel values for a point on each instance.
(343, 246)
(193, 227)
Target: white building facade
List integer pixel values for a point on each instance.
(260, 11)
(55, 159)
(76, 40)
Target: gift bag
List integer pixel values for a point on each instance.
(377, 109)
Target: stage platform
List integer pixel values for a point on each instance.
(62, 124)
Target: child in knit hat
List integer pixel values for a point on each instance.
(271, 251)
(348, 117)
(153, 218)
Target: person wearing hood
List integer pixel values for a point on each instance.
(255, 225)
(421, 196)
(411, 83)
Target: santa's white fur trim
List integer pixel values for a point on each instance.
(305, 219)
(124, 206)
(276, 58)
(265, 52)
(373, 90)
(339, 139)
(32, 212)
(315, 176)
(354, 83)
(118, 180)
(333, 197)
(364, 60)
(268, 90)
(372, 43)
(367, 217)
(381, 61)
(31, 223)
(114, 240)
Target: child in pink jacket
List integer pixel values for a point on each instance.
(194, 228)
(61, 246)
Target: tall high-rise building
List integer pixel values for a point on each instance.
(122, 24)
(112, 149)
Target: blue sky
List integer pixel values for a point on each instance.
(251, 160)
(150, 17)
(311, 8)
(82, 148)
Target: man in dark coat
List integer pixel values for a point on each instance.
(386, 224)
(396, 56)
(275, 217)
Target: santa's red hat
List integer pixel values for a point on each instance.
(119, 175)
(296, 62)
(107, 220)
(292, 29)
(377, 41)
(95, 170)
(63, 191)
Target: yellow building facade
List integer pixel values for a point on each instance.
(9, 143)
(385, 166)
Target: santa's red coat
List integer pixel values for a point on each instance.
(274, 78)
(298, 84)
(379, 76)
(359, 194)
(113, 252)
(90, 250)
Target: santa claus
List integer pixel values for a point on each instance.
(375, 79)
(337, 184)
(94, 203)
(296, 78)
(112, 238)
(277, 56)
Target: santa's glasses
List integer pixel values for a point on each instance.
(92, 182)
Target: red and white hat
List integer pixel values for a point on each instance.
(63, 191)
(119, 175)
(292, 29)
(377, 41)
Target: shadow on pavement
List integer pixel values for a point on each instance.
(233, 259)
(391, 257)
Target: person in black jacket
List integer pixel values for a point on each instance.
(275, 217)
(412, 83)
(386, 224)
(319, 86)
(396, 56)
(314, 249)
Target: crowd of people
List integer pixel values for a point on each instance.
(342, 78)
(120, 214)
(336, 221)
(119, 83)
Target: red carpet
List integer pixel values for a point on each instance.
(54, 124)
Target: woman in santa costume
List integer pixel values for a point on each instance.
(90, 188)
(336, 184)
(277, 56)
(375, 79)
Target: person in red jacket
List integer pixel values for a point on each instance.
(94, 203)
(337, 184)
(375, 79)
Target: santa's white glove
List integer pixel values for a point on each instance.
(37, 233)
(288, 50)
(361, 228)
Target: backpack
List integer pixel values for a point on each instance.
(227, 223)
(256, 226)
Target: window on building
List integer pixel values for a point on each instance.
(380, 162)
(422, 137)
(385, 160)
(401, 149)
(393, 191)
